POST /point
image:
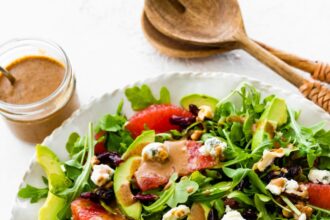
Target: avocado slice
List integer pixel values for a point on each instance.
(199, 211)
(275, 114)
(121, 184)
(56, 179)
(135, 149)
(198, 100)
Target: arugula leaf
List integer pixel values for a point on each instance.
(259, 201)
(219, 205)
(199, 178)
(160, 204)
(240, 196)
(165, 97)
(118, 138)
(212, 192)
(33, 193)
(183, 190)
(112, 123)
(74, 144)
(142, 97)
(82, 180)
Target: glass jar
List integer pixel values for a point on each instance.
(32, 122)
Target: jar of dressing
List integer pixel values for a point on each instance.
(43, 95)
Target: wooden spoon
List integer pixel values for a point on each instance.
(219, 23)
(179, 49)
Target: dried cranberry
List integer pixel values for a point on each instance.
(249, 214)
(106, 195)
(183, 122)
(145, 197)
(293, 171)
(273, 175)
(193, 109)
(89, 195)
(232, 203)
(213, 215)
(111, 158)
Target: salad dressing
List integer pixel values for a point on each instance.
(177, 162)
(36, 78)
(44, 85)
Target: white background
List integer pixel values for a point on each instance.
(104, 41)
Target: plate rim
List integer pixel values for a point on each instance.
(191, 74)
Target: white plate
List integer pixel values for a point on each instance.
(179, 84)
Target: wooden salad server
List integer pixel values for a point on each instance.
(178, 49)
(218, 23)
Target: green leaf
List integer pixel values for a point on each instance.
(33, 193)
(247, 127)
(324, 163)
(165, 97)
(160, 203)
(182, 191)
(142, 97)
(112, 123)
(236, 132)
(82, 180)
(120, 107)
(240, 196)
(199, 178)
(72, 169)
(71, 143)
(259, 201)
(209, 193)
(237, 175)
(219, 205)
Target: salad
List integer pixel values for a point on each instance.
(241, 157)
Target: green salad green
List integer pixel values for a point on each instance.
(243, 156)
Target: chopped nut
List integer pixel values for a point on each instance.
(268, 158)
(95, 161)
(277, 186)
(205, 111)
(196, 135)
(302, 207)
(108, 185)
(179, 212)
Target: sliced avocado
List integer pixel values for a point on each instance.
(275, 114)
(135, 149)
(199, 211)
(121, 184)
(198, 100)
(56, 180)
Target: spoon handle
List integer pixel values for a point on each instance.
(318, 70)
(314, 91)
(8, 75)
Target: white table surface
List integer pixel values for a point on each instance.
(104, 41)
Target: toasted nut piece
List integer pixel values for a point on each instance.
(268, 158)
(304, 209)
(95, 161)
(196, 135)
(205, 111)
(108, 185)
